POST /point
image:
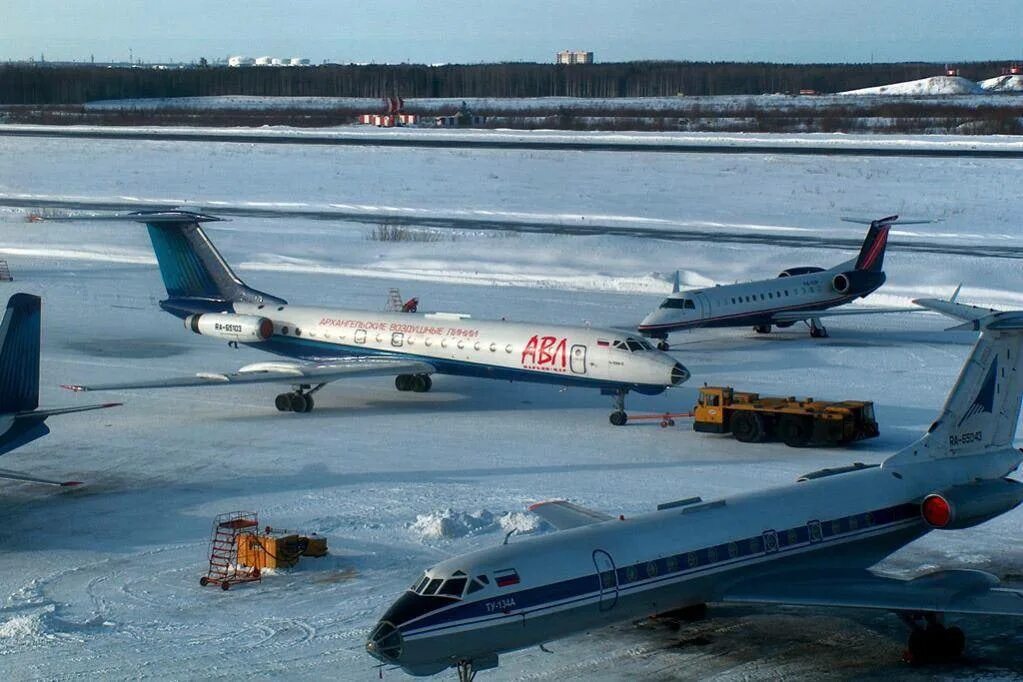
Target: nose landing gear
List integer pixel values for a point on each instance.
(619, 417)
(817, 330)
(299, 400)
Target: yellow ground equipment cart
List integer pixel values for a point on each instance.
(753, 418)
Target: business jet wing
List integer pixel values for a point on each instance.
(277, 372)
(802, 315)
(564, 515)
(949, 591)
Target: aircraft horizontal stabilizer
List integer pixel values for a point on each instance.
(950, 591)
(276, 372)
(564, 515)
(802, 315)
(957, 311)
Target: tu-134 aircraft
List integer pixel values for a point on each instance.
(331, 344)
(800, 294)
(21, 420)
(812, 543)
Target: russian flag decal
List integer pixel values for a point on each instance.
(506, 577)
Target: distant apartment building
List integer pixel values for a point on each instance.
(574, 57)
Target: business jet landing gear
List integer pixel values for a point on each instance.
(299, 400)
(817, 330)
(619, 417)
(419, 383)
(930, 641)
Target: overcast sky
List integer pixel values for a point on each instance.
(513, 30)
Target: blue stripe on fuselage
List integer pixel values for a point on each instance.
(313, 350)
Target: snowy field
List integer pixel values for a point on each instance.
(102, 581)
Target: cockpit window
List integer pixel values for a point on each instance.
(679, 303)
(634, 344)
(431, 588)
(474, 586)
(419, 584)
(453, 587)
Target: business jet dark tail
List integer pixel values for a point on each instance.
(195, 275)
(871, 258)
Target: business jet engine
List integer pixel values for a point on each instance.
(857, 282)
(241, 328)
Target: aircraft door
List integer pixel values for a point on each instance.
(578, 359)
(703, 301)
(608, 577)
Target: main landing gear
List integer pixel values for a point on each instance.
(762, 329)
(817, 330)
(299, 400)
(662, 344)
(619, 417)
(930, 641)
(418, 383)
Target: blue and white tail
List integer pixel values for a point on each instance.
(19, 354)
(195, 275)
(983, 408)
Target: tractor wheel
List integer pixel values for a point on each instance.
(794, 431)
(747, 427)
(204, 581)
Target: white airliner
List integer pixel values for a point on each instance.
(21, 420)
(811, 543)
(801, 294)
(334, 343)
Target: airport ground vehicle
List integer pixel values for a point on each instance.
(753, 418)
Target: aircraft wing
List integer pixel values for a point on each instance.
(950, 591)
(15, 476)
(564, 515)
(277, 372)
(958, 311)
(801, 315)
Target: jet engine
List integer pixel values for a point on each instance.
(857, 281)
(243, 328)
(801, 270)
(964, 506)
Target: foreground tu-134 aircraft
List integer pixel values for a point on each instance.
(801, 294)
(21, 420)
(334, 344)
(811, 543)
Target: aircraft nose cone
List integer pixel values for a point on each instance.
(679, 374)
(384, 643)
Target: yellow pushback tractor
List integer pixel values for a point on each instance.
(752, 418)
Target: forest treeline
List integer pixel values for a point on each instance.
(75, 84)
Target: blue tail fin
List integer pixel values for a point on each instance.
(871, 258)
(195, 275)
(19, 354)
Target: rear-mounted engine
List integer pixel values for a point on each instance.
(241, 328)
(963, 506)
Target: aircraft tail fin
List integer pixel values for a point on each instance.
(19, 354)
(983, 408)
(871, 258)
(196, 276)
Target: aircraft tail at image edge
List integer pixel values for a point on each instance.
(983, 407)
(19, 354)
(196, 276)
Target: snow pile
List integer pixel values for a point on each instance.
(1012, 83)
(450, 524)
(936, 85)
(27, 627)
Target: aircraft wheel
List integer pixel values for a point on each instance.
(663, 345)
(225, 586)
(283, 402)
(762, 329)
(618, 418)
(297, 401)
(204, 581)
(403, 382)
(954, 642)
(794, 431)
(309, 403)
(747, 427)
(421, 383)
